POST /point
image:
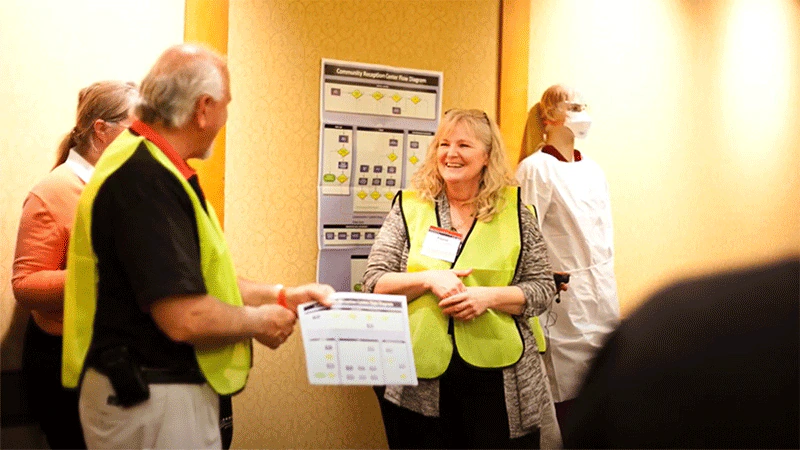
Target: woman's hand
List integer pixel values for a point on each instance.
(467, 305)
(446, 283)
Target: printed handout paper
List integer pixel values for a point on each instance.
(363, 339)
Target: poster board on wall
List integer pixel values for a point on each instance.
(376, 123)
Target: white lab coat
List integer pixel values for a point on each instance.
(574, 212)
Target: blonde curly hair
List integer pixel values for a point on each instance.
(495, 176)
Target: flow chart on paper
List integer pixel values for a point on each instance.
(363, 339)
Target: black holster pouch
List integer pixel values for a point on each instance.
(125, 375)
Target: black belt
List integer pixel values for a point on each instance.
(166, 376)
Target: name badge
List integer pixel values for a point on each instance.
(441, 244)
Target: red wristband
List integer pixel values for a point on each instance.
(282, 297)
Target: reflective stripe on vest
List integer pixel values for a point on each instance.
(226, 368)
(492, 250)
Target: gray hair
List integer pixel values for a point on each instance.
(170, 90)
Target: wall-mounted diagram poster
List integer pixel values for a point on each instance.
(376, 123)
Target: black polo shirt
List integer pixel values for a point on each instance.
(145, 236)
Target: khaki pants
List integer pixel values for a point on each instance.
(175, 416)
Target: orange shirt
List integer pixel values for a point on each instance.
(44, 231)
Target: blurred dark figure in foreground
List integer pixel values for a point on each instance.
(708, 363)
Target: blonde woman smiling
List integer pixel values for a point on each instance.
(481, 379)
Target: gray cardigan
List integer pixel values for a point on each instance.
(528, 400)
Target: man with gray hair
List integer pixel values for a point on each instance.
(156, 324)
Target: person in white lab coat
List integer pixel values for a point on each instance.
(571, 197)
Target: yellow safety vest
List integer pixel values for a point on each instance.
(492, 249)
(225, 368)
(534, 322)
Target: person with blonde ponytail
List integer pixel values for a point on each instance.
(104, 110)
(482, 383)
(570, 194)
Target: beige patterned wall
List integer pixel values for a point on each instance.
(695, 125)
(274, 50)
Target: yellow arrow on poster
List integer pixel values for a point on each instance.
(356, 93)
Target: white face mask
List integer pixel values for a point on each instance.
(578, 123)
